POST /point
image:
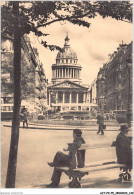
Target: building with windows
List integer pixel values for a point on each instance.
(100, 88)
(114, 80)
(92, 92)
(66, 92)
(33, 78)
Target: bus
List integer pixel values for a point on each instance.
(7, 111)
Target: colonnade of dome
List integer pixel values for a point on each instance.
(66, 73)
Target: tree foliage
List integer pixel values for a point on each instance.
(27, 75)
(7, 73)
(27, 80)
(119, 10)
(34, 16)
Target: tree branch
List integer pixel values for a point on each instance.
(63, 19)
(48, 23)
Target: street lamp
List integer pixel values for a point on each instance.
(102, 102)
(103, 92)
(129, 103)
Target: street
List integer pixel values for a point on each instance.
(37, 147)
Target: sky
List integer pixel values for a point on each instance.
(92, 45)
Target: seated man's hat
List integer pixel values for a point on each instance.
(77, 131)
(123, 127)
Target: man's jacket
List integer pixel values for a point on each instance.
(123, 150)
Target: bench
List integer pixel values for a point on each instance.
(75, 173)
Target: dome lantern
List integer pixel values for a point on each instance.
(67, 41)
(67, 53)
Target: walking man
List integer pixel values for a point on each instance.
(25, 117)
(100, 122)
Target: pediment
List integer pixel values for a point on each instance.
(67, 84)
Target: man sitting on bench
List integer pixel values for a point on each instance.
(124, 152)
(62, 159)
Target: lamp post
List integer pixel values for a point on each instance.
(129, 103)
(103, 92)
(102, 99)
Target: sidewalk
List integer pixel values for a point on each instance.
(37, 147)
(99, 179)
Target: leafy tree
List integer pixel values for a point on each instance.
(7, 73)
(27, 76)
(27, 79)
(19, 18)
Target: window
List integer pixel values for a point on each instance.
(73, 97)
(80, 98)
(53, 97)
(60, 97)
(67, 97)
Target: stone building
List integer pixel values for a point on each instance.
(114, 80)
(66, 93)
(92, 92)
(100, 89)
(32, 73)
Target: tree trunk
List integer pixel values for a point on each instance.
(12, 161)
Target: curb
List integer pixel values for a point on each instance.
(63, 125)
(62, 128)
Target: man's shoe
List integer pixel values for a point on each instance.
(97, 132)
(51, 164)
(52, 185)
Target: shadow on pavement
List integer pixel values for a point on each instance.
(102, 182)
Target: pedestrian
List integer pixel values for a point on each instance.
(100, 122)
(124, 151)
(62, 159)
(107, 116)
(25, 117)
